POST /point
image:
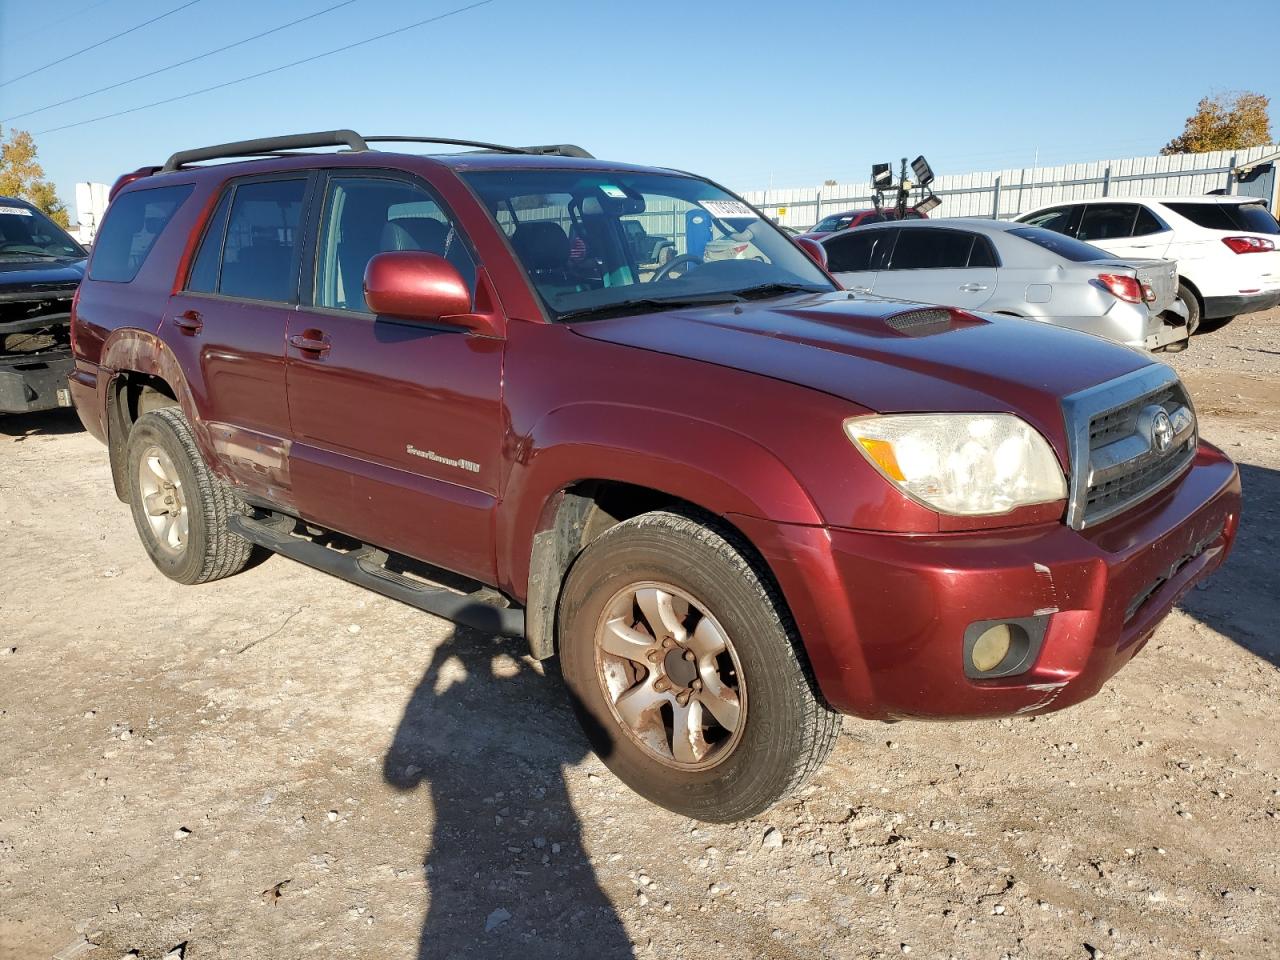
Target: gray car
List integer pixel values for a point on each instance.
(1014, 269)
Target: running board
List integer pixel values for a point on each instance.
(365, 568)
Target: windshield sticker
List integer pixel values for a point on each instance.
(609, 190)
(727, 209)
(16, 211)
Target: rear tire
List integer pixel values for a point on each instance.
(180, 508)
(1188, 299)
(776, 730)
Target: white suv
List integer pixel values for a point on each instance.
(1226, 247)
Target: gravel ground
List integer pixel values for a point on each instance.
(282, 765)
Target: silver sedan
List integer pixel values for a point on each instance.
(1011, 268)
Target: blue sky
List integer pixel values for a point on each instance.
(747, 92)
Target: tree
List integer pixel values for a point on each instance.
(1225, 121)
(22, 176)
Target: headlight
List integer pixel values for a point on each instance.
(969, 464)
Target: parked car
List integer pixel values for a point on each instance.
(856, 218)
(1225, 246)
(40, 267)
(735, 503)
(1017, 270)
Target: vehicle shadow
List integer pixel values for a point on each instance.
(506, 871)
(44, 423)
(1242, 600)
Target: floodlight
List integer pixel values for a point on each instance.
(924, 172)
(931, 202)
(881, 176)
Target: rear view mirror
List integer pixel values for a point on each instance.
(816, 251)
(413, 285)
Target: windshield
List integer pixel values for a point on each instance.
(1066, 247)
(592, 241)
(26, 233)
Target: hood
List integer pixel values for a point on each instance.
(887, 356)
(38, 277)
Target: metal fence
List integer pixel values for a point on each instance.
(1006, 193)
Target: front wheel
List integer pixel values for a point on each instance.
(686, 670)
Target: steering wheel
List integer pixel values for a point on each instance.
(685, 259)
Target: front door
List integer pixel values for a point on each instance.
(397, 428)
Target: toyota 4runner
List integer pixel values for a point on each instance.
(734, 500)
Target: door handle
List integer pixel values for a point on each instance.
(190, 321)
(311, 341)
(973, 287)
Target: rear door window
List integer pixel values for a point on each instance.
(204, 271)
(1057, 219)
(1107, 221)
(132, 226)
(259, 253)
(983, 253)
(1146, 223)
(929, 249)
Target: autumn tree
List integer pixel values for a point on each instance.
(22, 176)
(1225, 121)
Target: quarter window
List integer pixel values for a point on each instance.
(365, 216)
(1107, 221)
(133, 225)
(259, 254)
(1146, 223)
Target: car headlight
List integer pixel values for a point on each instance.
(970, 464)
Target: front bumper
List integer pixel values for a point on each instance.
(35, 382)
(1215, 308)
(883, 617)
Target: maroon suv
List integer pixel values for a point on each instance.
(736, 502)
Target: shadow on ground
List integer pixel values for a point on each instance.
(1242, 600)
(46, 423)
(506, 871)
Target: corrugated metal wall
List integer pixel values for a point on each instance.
(1007, 193)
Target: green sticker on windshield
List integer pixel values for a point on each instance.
(609, 190)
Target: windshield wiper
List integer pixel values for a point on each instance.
(646, 305)
(27, 254)
(765, 290)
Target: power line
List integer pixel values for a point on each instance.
(181, 63)
(46, 24)
(264, 73)
(94, 46)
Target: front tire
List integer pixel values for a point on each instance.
(686, 670)
(181, 510)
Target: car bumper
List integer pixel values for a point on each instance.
(1215, 308)
(884, 617)
(35, 382)
(1131, 324)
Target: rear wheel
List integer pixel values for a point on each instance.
(686, 671)
(1188, 299)
(181, 510)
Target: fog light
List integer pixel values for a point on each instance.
(990, 649)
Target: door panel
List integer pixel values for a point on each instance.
(397, 427)
(930, 265)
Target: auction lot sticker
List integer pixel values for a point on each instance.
(16, 211)
(727, 209)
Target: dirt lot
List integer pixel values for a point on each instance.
(280, 765)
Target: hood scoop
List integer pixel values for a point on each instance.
(929, 321)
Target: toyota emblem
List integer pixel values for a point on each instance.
(1161, 431)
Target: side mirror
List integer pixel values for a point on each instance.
(816, 251)
(414, 285)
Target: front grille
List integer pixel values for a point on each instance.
(1129, 438)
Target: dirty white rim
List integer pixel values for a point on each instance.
(163, 501)
(671, 676)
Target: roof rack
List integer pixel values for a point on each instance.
(272, 147)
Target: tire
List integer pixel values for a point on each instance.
(783, 730)
(1189, 300)
(161, 449)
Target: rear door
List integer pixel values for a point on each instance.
(932, 265)
(1125, 229)
(397, 427)
(854, 256)
(229, 322)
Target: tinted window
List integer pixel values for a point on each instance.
(365, 216)
(1056, 219)
(204, 272)
(1065, 247)
(982, 254)
(931, 250)
(1252, 217)
(262, 238)
(1107, 221)
(856, 250)
(133, 223)
(1146, 223)
(26, 233)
